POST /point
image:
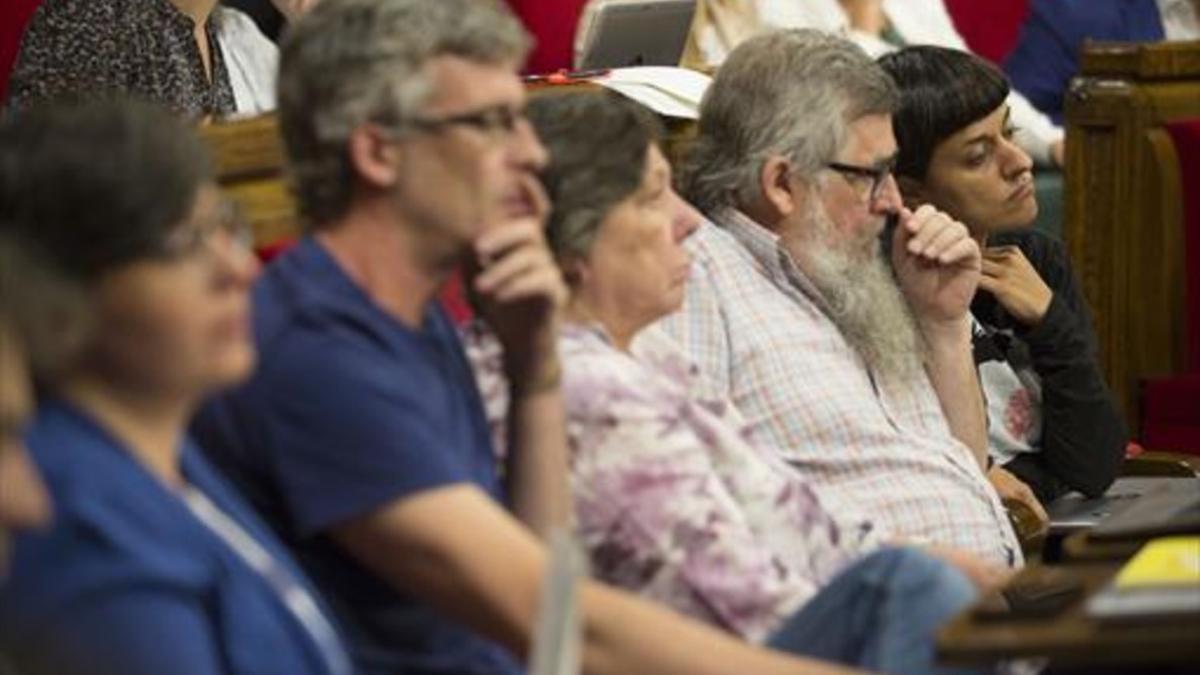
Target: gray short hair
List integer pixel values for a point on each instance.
(598, 143)
(348, 62)
(789, 93)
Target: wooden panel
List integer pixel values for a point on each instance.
(1123, 217)
(249, 160)
(1143, 62)
(250, 164)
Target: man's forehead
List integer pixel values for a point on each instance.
(458, 83)
(870, 139)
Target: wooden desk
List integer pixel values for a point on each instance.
(1080, 547)
(1071, 639)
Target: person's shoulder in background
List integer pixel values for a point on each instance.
(264, 13)
(1046, 55)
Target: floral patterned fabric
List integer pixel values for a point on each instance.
(671, 500)
(141, 48)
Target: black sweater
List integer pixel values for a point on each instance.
(1083, 435)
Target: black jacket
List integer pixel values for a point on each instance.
(1083, 434)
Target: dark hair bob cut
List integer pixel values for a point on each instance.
(941, 91)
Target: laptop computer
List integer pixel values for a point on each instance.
(1135, 506)
(623, 33)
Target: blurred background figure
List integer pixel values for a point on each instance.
(152, 564)
(1046, 56)
(198, 58)
(42, 320)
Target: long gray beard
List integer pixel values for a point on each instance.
(865, 303)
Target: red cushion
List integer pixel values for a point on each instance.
(552, 23)
(14, 16)
(990, 28)
(1171, 406)
(1171, 414)
(1186, 136)
(454, 300)
(271, 251)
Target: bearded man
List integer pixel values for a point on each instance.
(846, 344)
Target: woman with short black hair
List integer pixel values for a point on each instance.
(1053, 424)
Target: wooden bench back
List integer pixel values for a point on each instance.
(1123, 212)
(249, 160)
(250, 165)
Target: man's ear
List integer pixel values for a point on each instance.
(912, 191)
(373, 156)
(779, 191)
(575, 270)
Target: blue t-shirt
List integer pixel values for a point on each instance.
(350, 411)
(127, 581)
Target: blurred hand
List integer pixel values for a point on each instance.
(865, 15)
(1009, 486)
(293, 8)
(984, 575)
(1058, 153)
(937, 265)
(1008, 275)
(517, 288)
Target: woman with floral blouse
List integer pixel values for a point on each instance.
(671, 500)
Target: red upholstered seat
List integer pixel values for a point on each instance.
(990, 28)
(14, 16)
(454, 300)
(552, 23)
(1171, 406)
(1171, 414)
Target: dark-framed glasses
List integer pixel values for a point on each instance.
(496, 121)
(196, 238)
(868, 181)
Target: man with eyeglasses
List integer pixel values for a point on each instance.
(833, 317)
(362, 438)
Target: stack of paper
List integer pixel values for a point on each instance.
(674, 92)
(1163, 579)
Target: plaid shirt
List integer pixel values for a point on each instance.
(758, 329)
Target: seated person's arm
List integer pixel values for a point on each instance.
(1083, 434)
(488, 576)
(938, 268)
(520, 295)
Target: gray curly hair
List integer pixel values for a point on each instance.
(789, 93)
(348, 62)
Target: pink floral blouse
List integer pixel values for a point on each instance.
(671, 500)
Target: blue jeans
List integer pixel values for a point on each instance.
(882, 614)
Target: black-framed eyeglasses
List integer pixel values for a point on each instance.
(867, 180)
(496, 121)
(196, 238)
